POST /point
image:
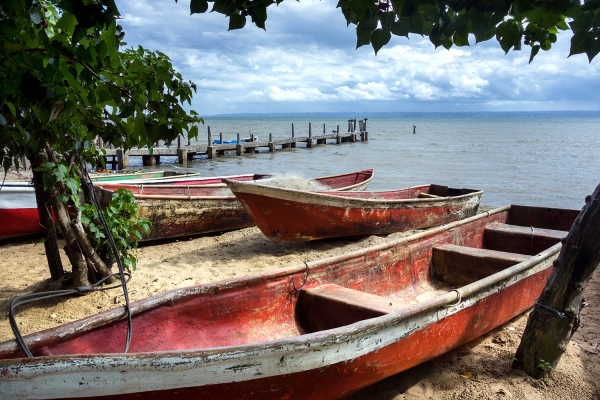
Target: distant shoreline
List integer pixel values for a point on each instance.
(448, 114)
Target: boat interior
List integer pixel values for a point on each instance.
(416, 192)
(330, 293)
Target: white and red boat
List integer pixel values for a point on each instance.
(18, 210)
(320, 330)
(18, 207)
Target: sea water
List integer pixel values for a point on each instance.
(532, 158)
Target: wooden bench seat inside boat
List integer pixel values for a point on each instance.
(520, 239)
(460, 265)
(330, 306)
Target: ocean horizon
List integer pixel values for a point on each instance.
(544, 158)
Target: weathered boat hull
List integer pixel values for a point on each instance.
(286, 215)
(18, 207)
(319, 331)
(18, 211)
(142, 177)
(354, 181)
(185, 210)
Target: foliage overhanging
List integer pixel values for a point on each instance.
(447, 23)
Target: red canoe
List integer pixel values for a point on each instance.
(287, 215)
(317, 331)
(178, 210)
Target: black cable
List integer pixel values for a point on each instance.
(90, 186)
(29, 298)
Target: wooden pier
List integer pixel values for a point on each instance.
(118, 159)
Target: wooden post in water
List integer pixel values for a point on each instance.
(338, 138)
(210, 149)
(220, 137)
(178, 141)
(323, 129)
(149, 160)
(292, 129)
(239, 148)
(182, 156)
(122, 159)
(309, 130)
(271, 144)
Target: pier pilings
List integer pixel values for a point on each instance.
(184, 153)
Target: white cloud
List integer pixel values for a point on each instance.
(307, 57)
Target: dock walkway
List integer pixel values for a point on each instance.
(120, 159)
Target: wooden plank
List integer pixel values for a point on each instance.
(520, 239)
(461, 265)
(330, 306)
(542, 217)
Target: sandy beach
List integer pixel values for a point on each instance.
(477, 370)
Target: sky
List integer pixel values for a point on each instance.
(306, 61)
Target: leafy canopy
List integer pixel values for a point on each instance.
(65, 80)
(447, 23)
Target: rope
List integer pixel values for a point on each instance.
(295, 289)
(458, 301)
(550, 311)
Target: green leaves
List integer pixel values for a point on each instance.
(380, 38)
(586, 29)
(198, 6)
(508, 34)
(125, 226)
(236, 21)
(362, 38)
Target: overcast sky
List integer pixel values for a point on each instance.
(306, 61)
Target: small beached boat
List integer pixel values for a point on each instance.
(182, 210)
(320, 330)
(18, 207)
(287, 215)
(143, 177)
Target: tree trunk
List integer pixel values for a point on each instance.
(102, 269)
(46, 221)
(556, 315)
(79, 264)
(86, 263)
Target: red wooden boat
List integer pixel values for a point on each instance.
(178, 210)
(317, 331)
(18, 207)
(287, 215)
